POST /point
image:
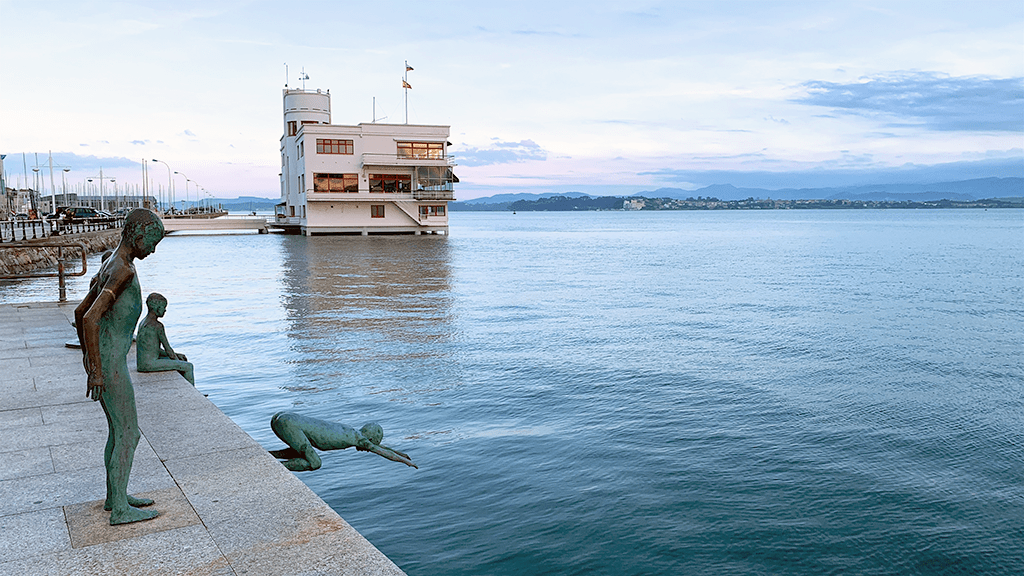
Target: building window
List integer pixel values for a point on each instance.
(434, 178)
(291, 210)
(335, 183)
(376, 211)
(332, 146)
(391, 183)
(293, 128)
(300, 149)
(421, 150)
(432, 210)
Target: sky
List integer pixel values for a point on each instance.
(595, 97)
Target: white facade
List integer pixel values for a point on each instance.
(364, 179)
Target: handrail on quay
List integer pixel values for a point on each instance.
(46, 228)
(61, 274)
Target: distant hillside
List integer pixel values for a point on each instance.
(568, 204)
(509, 198)
(245, 203)
(960, 190)
(500, 202)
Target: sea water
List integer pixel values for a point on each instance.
(778, 392)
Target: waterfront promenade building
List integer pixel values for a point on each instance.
(368, 178)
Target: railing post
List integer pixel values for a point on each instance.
(60, 275)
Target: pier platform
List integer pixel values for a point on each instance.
(184, 223)
(227, 507)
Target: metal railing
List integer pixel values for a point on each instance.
(60, 274)
(434, 194)
(19, 230)
(382, 159)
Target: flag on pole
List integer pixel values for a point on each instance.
(407, 67)
(405, 84)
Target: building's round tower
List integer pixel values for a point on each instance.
(302, 107)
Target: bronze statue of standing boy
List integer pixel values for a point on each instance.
(105, 321)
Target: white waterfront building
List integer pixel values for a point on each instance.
(365, 179)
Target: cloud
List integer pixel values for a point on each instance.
(929, 99)
(501, 153)
(189, 133)
(138, 142)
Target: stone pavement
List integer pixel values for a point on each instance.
(227, 507)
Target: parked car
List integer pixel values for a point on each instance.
(21, 216)
(77, 212)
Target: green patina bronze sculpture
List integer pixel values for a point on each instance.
(105, 321)
(153, 353)
(302, 434)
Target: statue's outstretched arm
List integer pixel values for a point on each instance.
(390, 454)
(167, 350)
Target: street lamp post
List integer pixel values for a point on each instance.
(186, 184)
(36, 185)
(170, 185)
(117, 201)
(64, 187)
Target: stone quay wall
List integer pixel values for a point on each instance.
(21, 258)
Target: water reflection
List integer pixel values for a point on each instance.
(382, 300)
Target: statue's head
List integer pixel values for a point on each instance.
(372, 432)
(157, 303)
(142, 231)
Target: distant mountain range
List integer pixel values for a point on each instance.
(245, 203)
(962, 190)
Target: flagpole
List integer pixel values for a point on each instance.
(406, 86)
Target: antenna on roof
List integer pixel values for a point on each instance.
(375, 112)
(304, 77)
(285, 74)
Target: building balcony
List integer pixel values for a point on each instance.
(375, 159)
(437, 194)
(448, 194)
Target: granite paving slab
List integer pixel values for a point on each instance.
(89, 523)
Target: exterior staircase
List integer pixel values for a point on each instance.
(411, 210)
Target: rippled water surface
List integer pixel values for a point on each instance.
(638, 392)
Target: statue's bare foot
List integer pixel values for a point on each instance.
(131, 515)
(132, 501)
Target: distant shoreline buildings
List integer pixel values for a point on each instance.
(627, 204)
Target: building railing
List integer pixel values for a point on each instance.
(374, 158)
(60, 274)
(19, 230)
(434, 194)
